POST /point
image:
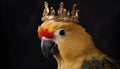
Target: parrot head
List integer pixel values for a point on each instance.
(64, 40)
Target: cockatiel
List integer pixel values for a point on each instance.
(71, 45)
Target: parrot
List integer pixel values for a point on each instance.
(72, 47)
(69, 43)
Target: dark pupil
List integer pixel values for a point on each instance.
(62, 32)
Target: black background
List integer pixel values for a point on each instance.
(20, 20)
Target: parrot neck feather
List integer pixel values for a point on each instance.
(76, 63)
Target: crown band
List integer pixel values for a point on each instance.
(62, 13)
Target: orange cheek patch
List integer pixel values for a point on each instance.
(42, 32)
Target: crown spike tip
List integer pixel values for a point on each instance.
(52, 11)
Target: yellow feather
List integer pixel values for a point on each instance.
(75, 47)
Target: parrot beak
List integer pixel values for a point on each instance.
(49, 47)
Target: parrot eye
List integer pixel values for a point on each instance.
(60, 33)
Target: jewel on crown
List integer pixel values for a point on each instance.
(62, 13)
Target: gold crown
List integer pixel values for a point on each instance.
(62, 13)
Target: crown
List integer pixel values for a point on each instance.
(62, 13)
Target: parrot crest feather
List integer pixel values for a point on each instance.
(43, 32)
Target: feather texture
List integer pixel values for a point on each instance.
(103, 63)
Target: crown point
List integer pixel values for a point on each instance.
(62, 3)
(46, 10)
(75, 5)
(52, 11)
